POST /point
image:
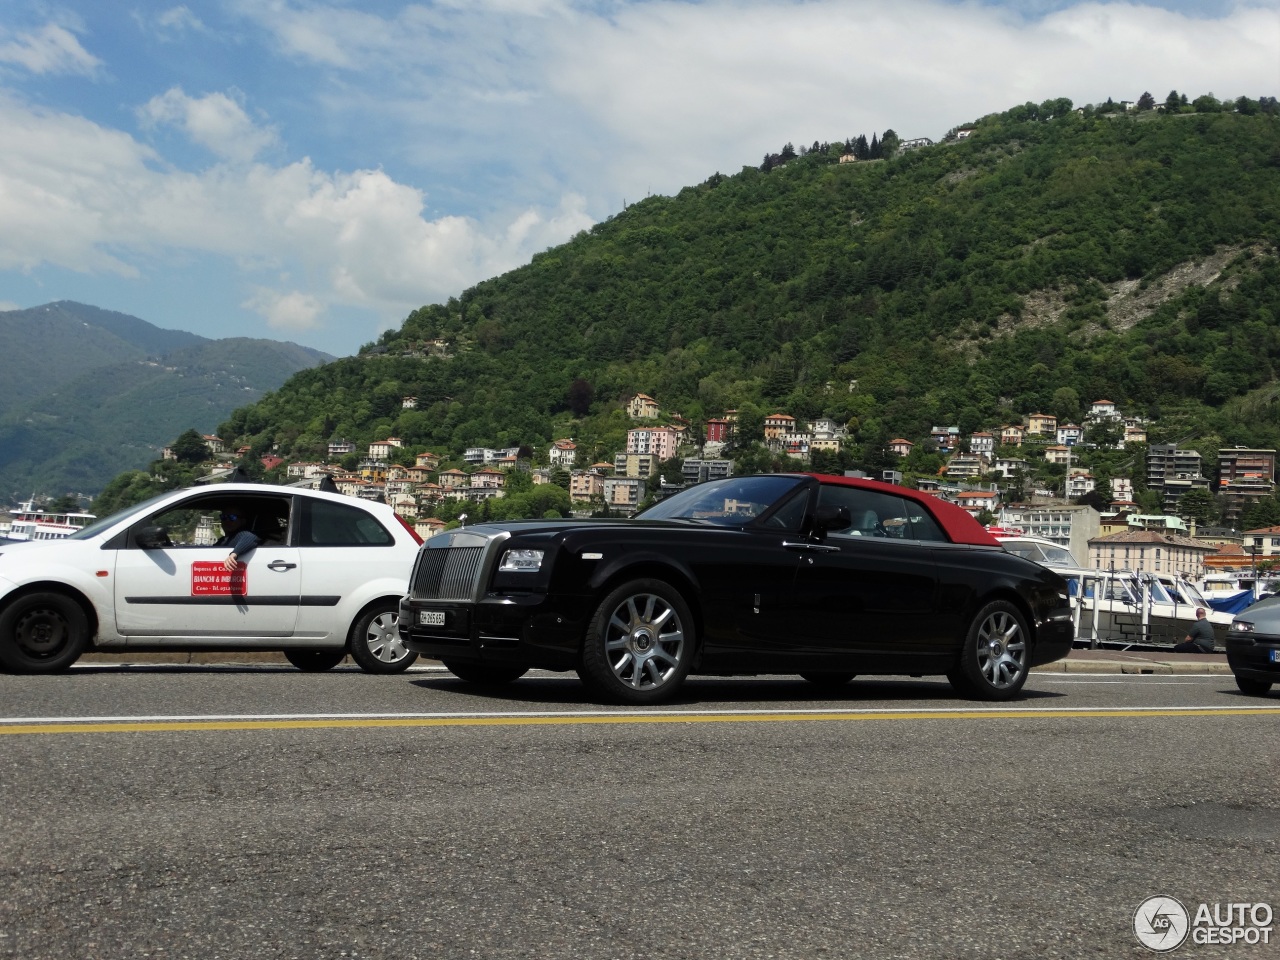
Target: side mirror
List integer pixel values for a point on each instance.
(826, 519)
(151, 538)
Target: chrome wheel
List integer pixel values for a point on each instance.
(644, 641)
(995, 657)
(1002, 650)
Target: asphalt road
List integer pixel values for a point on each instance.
(214, 811)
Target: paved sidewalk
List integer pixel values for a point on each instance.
(1138, 661)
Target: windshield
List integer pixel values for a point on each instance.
(733, 501)
(95, 528)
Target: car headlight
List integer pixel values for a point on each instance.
(521, 561)
(1242, 626)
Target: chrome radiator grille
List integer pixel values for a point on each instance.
(449, 573)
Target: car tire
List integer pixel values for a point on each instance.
(1254, 688)
(996, 655)
(828, 679)
(486, 674)
(42, 633)
(639, 644)
(375, 642)
(315, 661)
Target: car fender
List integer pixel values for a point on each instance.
(89, 583)
(341, 618)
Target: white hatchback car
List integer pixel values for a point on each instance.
(325, 580)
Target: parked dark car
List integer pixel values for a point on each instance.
(827, 577)
(1253, 647)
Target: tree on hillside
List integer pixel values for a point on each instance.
(1173, 103)
(579, 398)
(1146, 101)
(1197, 504)
(190, 448)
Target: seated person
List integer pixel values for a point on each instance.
(236, 535)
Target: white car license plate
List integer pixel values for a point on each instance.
(1275, 655)
(431, 618)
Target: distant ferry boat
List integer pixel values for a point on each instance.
(28, 523)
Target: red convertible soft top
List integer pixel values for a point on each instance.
(958, 524)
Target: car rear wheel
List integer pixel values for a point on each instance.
(375, 642)
(42, 633)
(994, 660)
(487, 674)
(315, 661)
(1254, 688)
(639, 645)
(834, 678)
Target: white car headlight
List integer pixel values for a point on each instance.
(1242, 626)
(521, 561)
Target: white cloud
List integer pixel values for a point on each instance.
(52, 49)
(179, 20)
(286, 311)
(215, 121)
(78, 196)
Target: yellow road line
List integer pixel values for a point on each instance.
(170, 726)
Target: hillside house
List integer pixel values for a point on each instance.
(427, 527)
(427, 460)
(623, 492)
(660, 441)
(1079, 483)
(1042, 425)
(563, 453)
(1008, 466)
(409, 403)
(454, 479)
(214, 443)
(381, 449)
(1069, 434)
(717, 430)
(488, 478)
(1011, 435)
(1057, 454)
(696, 471)
(642, 407)
(642, 465)
(585, 485)
(777, 424)
(1103, 410)
(945, 439)
(340, 448)
(975, 501)
(982, 444)
(901, 447)
(962, 466)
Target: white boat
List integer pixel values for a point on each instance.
(28, 523)
(1127, 608)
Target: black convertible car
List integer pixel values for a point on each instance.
(826, 577)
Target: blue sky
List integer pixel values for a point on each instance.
(313, 170)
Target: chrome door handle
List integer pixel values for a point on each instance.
(811, 547)
(279, 566)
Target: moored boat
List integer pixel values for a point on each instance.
(29, 523)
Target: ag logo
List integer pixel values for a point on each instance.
(1161, 923)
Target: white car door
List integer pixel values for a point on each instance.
(179, 591)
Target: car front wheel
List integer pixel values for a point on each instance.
(375, 641)
(315, 661)
(1254, 688)
(42, 633)
(994, 660)
(639, 645)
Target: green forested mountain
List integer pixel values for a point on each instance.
(89, 393)
(1035, 265)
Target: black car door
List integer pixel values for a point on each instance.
(866, 596)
